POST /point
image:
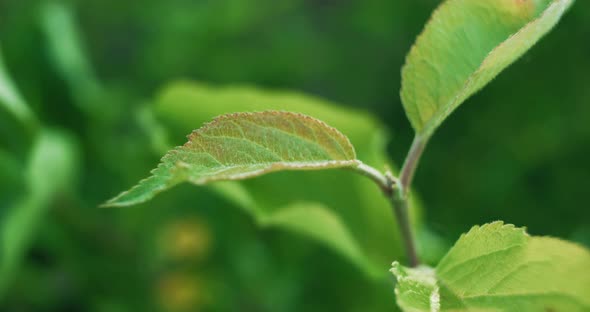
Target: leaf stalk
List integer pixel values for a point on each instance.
(410, 164)
(396, 190)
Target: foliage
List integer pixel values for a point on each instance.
(50, 172)
(246, 145)
(497, 267)
(465, 45)
(484, 39)
(11, 99)
(86, 125)
(241, 146)
(332, 194)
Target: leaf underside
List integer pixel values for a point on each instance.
(463, 47)
(244, 145)
(498, 267)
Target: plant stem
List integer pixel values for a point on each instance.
(396, 192)
(381, 180)
(399, 203)
(410, 164)
(399, 198)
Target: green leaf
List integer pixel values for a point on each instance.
(319, 223)
(12, 100)
(463, 47)
(311, 219)
(51, 170)
(497, 267)
(68, 56)
(354, 201)
(245, 145)
(184, 104)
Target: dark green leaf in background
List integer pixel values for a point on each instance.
(12, 100)
(51, 171)
(69, 57)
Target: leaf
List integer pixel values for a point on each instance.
(311, 219)
(12, 100)
(463, 47)
(50, 171)
(68, 56)
(245, 145)
(354, 201)
(497, 267)
(10, 173)
(204, 102)
(321, 224)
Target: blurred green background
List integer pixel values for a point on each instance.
(92, 72)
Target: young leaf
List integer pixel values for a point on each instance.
(498, 267)
(182, 105)
(246, 145)
(463, 47)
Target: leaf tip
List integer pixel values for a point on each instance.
(116, 202)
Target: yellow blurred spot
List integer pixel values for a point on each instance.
(185, 240)
(177, 292)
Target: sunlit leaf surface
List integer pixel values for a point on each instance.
(463, 47)
(244, 145)
(497, 267)
(351, 201)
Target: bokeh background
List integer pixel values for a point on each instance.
(92, 70)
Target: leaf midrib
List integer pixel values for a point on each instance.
(428, 127)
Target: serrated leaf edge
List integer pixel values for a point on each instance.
(230, 116)
(272, 167)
